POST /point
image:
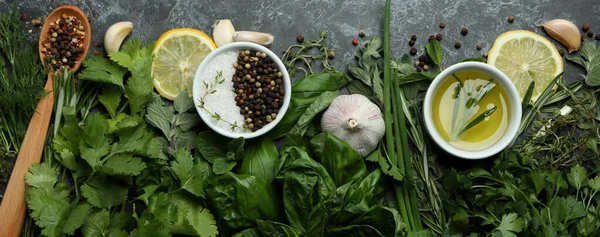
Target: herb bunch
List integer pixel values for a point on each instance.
(302, 56)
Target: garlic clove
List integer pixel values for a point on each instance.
(223, 32)
(565, 32)
(566, 110)
(116, 34)
(264, 39)
(356, 120)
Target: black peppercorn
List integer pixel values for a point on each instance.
(362, 33)
(419, 69)
(464, 31)
(442, 24)
(597, 37)
(413, 51)
(438, 37)
(422, 58)
(411, 42)
(457, 45)
(511, 19)
(431, 37)
(479, 46)
(585, 27)
(413, 37)
(590, 33)
(300, 39)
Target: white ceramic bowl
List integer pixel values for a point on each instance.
(198, 89)
(513, 98)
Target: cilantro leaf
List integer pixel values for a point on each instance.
(110, 98)
(190, 175)
(139, 85)
(129, 53)
(123, 164)
(566, 209)
(77, 218)
(99, 225)
(577, 176)
(100, 69)
(435, 52)
(95, 145)
(157, 219)
(510, 225)
(148, 191)
(104, 192)
(121, 121)
(49, 203)
(595, 183)
(193, 219)
(137, 140)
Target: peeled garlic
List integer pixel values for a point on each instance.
(116, 34)
(264, 39)
(356, 120)
(565, 32)
(223, 32)
(566, 110)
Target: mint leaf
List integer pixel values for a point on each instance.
(435, 52)
(187, 121)
(110, 98)
(160, 117)
(183, 102)
(104, 192)
(222, 166)
(190, 175)
(588, 57)
(100, 69)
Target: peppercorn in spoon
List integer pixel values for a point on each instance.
(64, 41)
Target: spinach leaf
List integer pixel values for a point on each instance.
(343, 163)
(260, 159)
(304, 92)
(241, 199)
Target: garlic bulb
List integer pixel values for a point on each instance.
(223, 32)
(356, 120)
(565, 32)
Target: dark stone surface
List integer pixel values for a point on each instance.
(342, 20)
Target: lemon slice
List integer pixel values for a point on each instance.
(177, 55)
(525, 56)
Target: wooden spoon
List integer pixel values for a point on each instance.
(13, 208)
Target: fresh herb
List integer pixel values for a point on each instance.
(396, 141)
(209, 88)
(367, 80)
(466, 101)
(589, 58)
(300, 57)
(435, 52)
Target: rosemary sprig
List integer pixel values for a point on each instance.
(460, 121)
(209, 90)
(303, 55)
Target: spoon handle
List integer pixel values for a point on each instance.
(13, 208)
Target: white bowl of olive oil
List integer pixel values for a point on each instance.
(472, 110)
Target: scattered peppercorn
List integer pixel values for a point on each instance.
(585, 27)
(99, 44)
(464, 31)
(598, 37)
(422, 58)
(561, 52)
(511, 19)
(354, 42)
(479, 46)
(417, 63)
(590, 33)
(413, 37)
(362, 33)
(421, 64)
(300, 39)
(411, 42)
(431, 37)
(442, 25)
(457, 45)
(260, 92)
(413, 51)
(331, 55)
(426, 68)
(419, 69)
(438, 37)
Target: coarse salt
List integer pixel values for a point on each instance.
(222, 101)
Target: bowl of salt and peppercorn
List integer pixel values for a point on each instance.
(241, 89)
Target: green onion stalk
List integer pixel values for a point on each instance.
(396, 139)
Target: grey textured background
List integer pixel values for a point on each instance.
(341, 19)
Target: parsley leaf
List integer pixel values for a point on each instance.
(139, 86)
(191, 175)
(589, 58)
(77, 218)
(95, 145)
(510, 225)
(129, 53)
(100, 69)
(106, 192)
(190, 213)
(577, 177)
(110, 98)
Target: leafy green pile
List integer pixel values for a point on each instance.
(22, 78)
(588, 57)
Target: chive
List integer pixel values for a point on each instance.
(527, 97)
(539, 103)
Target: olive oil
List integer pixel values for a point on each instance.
(467, 98)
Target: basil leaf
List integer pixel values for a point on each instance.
(343, 163)
(260, 159)
(320, 82)
(435, 52)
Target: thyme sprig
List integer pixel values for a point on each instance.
(300, 57)
(209, 90)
